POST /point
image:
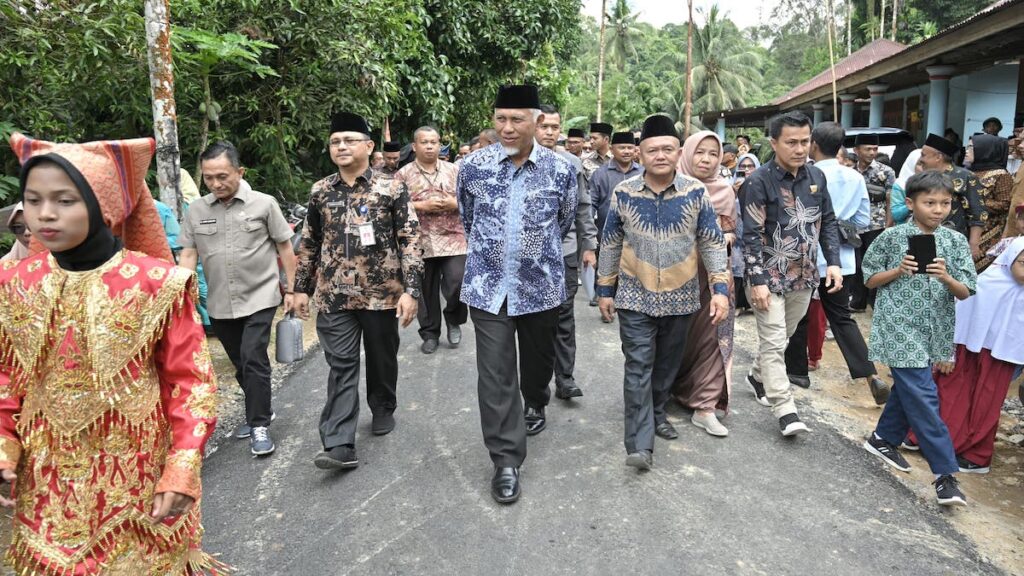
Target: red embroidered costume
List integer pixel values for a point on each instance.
(107, 394)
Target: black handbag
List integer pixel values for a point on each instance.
(848, 234)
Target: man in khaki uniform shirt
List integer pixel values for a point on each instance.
(240, 233)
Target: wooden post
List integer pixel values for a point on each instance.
(165, 119)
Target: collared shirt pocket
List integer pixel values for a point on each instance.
(207, 242)
(542, 207)
(251, 225)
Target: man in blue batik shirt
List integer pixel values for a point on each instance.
(518, 200)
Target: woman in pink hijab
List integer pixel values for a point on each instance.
(704, 379)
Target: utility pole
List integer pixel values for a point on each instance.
(688, 107)
(165, 118)
(600, 63)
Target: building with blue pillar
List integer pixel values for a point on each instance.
(956, 79)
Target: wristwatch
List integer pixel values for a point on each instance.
(414, 292)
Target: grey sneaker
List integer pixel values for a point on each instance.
(244, 431)
(260, 442)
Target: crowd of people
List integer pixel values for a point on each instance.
(107, 395)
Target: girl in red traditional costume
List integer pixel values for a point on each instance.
(107, 395)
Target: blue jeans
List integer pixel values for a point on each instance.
(914, 404)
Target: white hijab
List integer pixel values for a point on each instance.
(908, 168)
(994, 317)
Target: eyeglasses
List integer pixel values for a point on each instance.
(348, 142)
(18, 229)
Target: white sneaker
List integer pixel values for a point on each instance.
(710, 424)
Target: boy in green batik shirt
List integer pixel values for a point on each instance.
(913, 328)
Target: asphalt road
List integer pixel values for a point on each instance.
(419, 503)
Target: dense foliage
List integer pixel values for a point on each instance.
(268, 73)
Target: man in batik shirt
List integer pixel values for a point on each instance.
(879, 179)
(787, 213)
(518, 201)
(360, 260)
(967, 215)
(431, 184)
(600, 148)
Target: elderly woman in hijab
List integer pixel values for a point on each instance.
(989, 341)
(989, 165)
(705, 376)
(22, 236)
(745, 166)
(107, 395)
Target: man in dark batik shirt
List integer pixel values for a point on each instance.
(787, 213)
(967, 215)
(360, 259)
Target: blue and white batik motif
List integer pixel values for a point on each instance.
(515, 219)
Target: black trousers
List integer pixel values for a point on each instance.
(860, 296)
(651, 346)
(844, 328)
(741, 293)
(565, 340)
(340, 334)
(500, 380)
(442, 276)
(245, 340)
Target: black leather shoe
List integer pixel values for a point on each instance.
(666, 431)
(505, 487)
(879, 390)
(429, 346)
(535, 421)
(337, 458)
(382, 424)
(567, 390)
(454, 336)
(801, 381)
(593, 301)
(641, 460)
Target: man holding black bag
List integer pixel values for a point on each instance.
(879, 179)
(849, 195)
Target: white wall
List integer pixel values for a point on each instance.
(991, 92)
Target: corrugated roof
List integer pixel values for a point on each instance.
(871, 53)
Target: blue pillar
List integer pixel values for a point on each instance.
(720, 127)
(847, 109)
(819, 110)
(938, 98)
(877, 115)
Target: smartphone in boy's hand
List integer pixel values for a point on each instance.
(922, 248)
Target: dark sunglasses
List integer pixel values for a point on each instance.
(18, 229)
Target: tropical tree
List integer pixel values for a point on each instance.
(624, 32)
(726, 71)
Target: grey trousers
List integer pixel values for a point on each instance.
(499, 381)
(565, 339)
(651, 346)
(340, 334)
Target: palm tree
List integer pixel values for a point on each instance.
(624, 32)
(726, 71)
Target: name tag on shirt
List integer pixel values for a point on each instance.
(337, 204)
(366, 234)
(208, 221)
